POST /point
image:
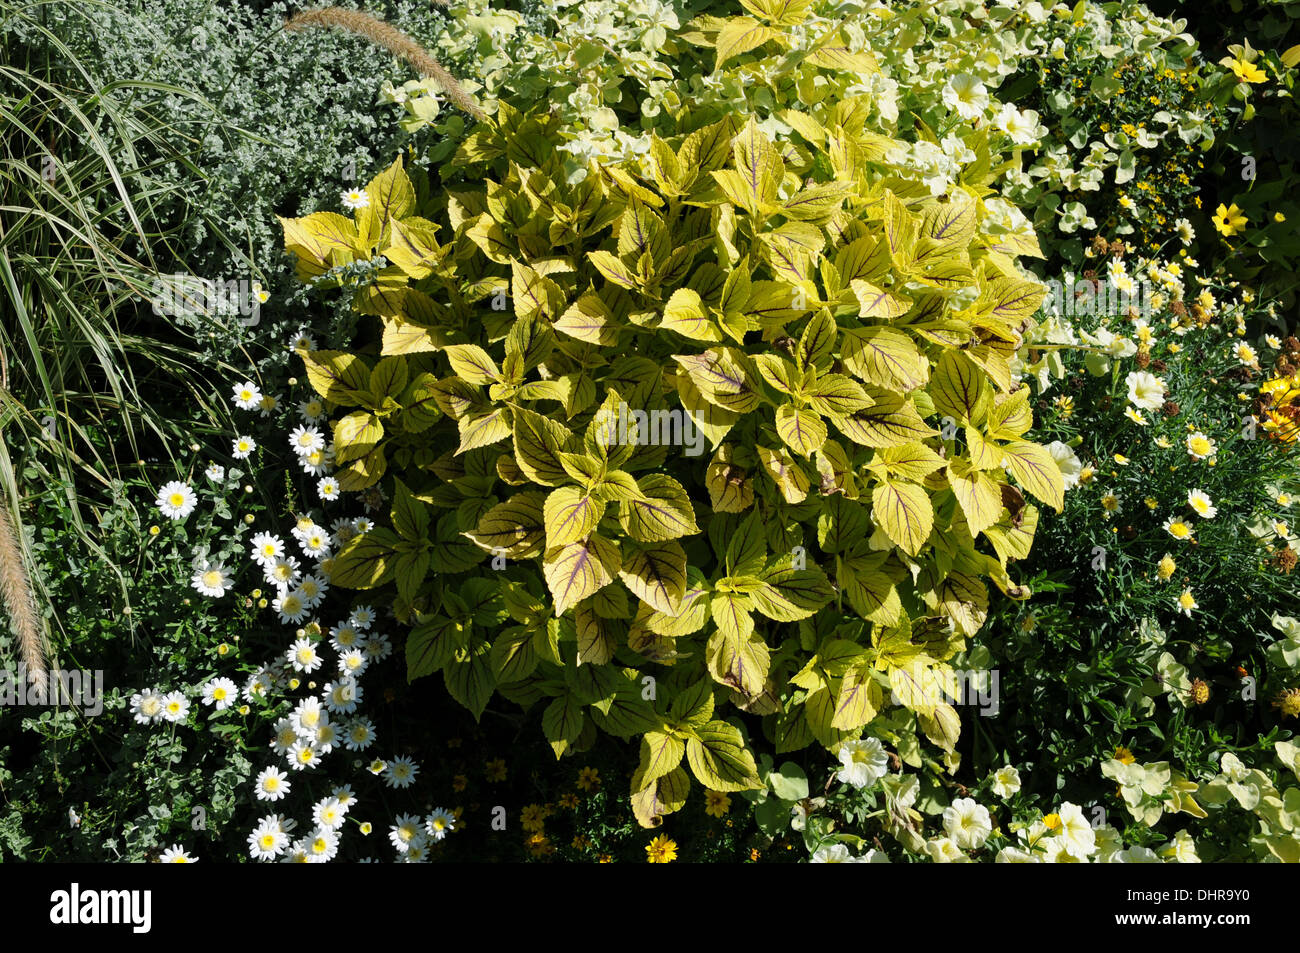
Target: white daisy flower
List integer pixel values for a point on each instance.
(176, 707)
(1201, 503)
(303, 656)
(267, 843)
(405, 832)
(328, 489)
(220, 693)
(211, 580)
(354, 199)
(343, 696)
(256, 687)
(286, 735)
(247, 396)
(316, 463)
(266, 548)
(308, 715)
(312, 590)
(305, 439)
(290, 606)
(353, 662)
(345, 636)
(322, 846)
(440, 823)
(215, 472)
(303, 755)
(360, 734)
(272, 784)
(401, 772)
(312, 410)
(147, 706)
(302, 341)
(243, 447)
(316, 542)
(282, 572)
(175, 855)
(363, 617)
(378, 647)
(327, 736)
(329, 813)
(176, 500)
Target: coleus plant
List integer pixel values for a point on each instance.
(841, 338)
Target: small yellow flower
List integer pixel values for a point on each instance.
(1124, 756)
(1052, 821)
(533, 817)
(495, 770)
(1279, 217)
(589, 779)
(1065, 406)
(1121, 459)
(1086, 474)
(1187, 602)
(1247, 72)
(716, 803)
(1151, 502)
(661, 850)
(1166, 568)
(1229, 220)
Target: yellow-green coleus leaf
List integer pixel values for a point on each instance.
(835, 394)
(785, 473)
(1036, 470)
(858, 698)
(391, 196)
(538, 443)
(664, 512)
(736, 655)
(802, 430)
(891, 421)
(579, 570)
(515, 528)
(337, 376)
(721, 377)
(719, 759)
(664, 795)
(656, 574)
(977, 494)
(885, 357)
(472, 364)
(571, 515)
(661, 752)
(788, 594)
(739, 36)
(911, 461)
(321, 241)
(904, 512)
(685, 314)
